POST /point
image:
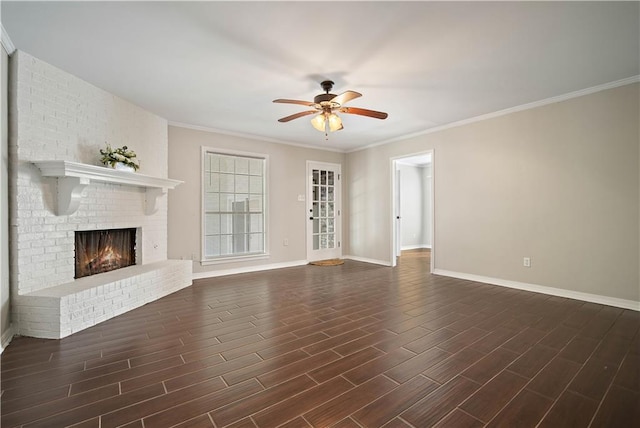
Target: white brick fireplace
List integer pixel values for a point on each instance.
(59, 123)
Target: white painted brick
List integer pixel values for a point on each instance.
(55, 115)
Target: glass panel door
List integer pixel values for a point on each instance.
(323, 234)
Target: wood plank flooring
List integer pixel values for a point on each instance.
(355, 345)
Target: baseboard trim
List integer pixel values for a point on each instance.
(415, 247)
(247, 269)
(560, 292)
(366, 260)
(6, 338)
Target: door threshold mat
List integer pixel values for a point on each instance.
(330, 262)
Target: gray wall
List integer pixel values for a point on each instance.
(558, 183)
(287, 179)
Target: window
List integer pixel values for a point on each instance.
(234, 205)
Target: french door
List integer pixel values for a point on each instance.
(323, 211)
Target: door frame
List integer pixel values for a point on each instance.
(309, 207)
(394, 205)
(397, 211)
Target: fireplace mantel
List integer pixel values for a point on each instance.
(73, 177)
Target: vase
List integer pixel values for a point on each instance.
(122, 167)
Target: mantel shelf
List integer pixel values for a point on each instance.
(73, 177)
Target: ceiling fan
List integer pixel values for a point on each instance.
(325, 107)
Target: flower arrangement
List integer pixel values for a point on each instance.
(121, 155)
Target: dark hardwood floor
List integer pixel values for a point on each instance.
(355, 345)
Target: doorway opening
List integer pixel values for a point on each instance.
(412, 222)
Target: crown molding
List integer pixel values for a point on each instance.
(6, 41)
(522, 107)
(251, 137)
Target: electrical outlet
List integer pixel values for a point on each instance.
(285, 242)
(526, 262)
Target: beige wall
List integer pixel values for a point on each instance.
(558, 183)
(287, 180)
(4, 201)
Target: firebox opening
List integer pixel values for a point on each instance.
(99, 251)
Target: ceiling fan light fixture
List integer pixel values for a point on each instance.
(335, 123)
(319, 122)
(324, 120)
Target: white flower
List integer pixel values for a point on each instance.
(111, 156)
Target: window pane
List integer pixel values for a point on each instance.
(316, 242)
(330, 198)
(212, 245)
(226, 202)
(226, 247)
(316, 175)
(242, 184)
(255, 204)
(212, 182)
(226, 223)
(330, 209)
(212, 224)
(315, 209)
(323, 209)
(256, 243)
(240, 244)
(330, 178)
(227, 164)
(240, 225)
(214, 162)
(212, 202)
(255, 223)
(316, 225)
(330, 226)
(233, 194)
(323, 177)
(323, 193)
(226, 183)
(241, 204)
(255, 184)
(256, 167)
(242, 166)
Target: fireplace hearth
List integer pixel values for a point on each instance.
(99, 251)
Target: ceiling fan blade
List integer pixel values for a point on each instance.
(304, 103)
(364, 112)
(297, 115)
(345, 96)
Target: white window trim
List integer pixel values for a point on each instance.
(204, 261)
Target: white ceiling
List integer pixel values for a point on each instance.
(220, 64)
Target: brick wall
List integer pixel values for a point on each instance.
(55, 115)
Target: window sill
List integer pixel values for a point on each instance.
(233, 259)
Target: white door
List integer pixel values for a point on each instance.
(323, 211)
